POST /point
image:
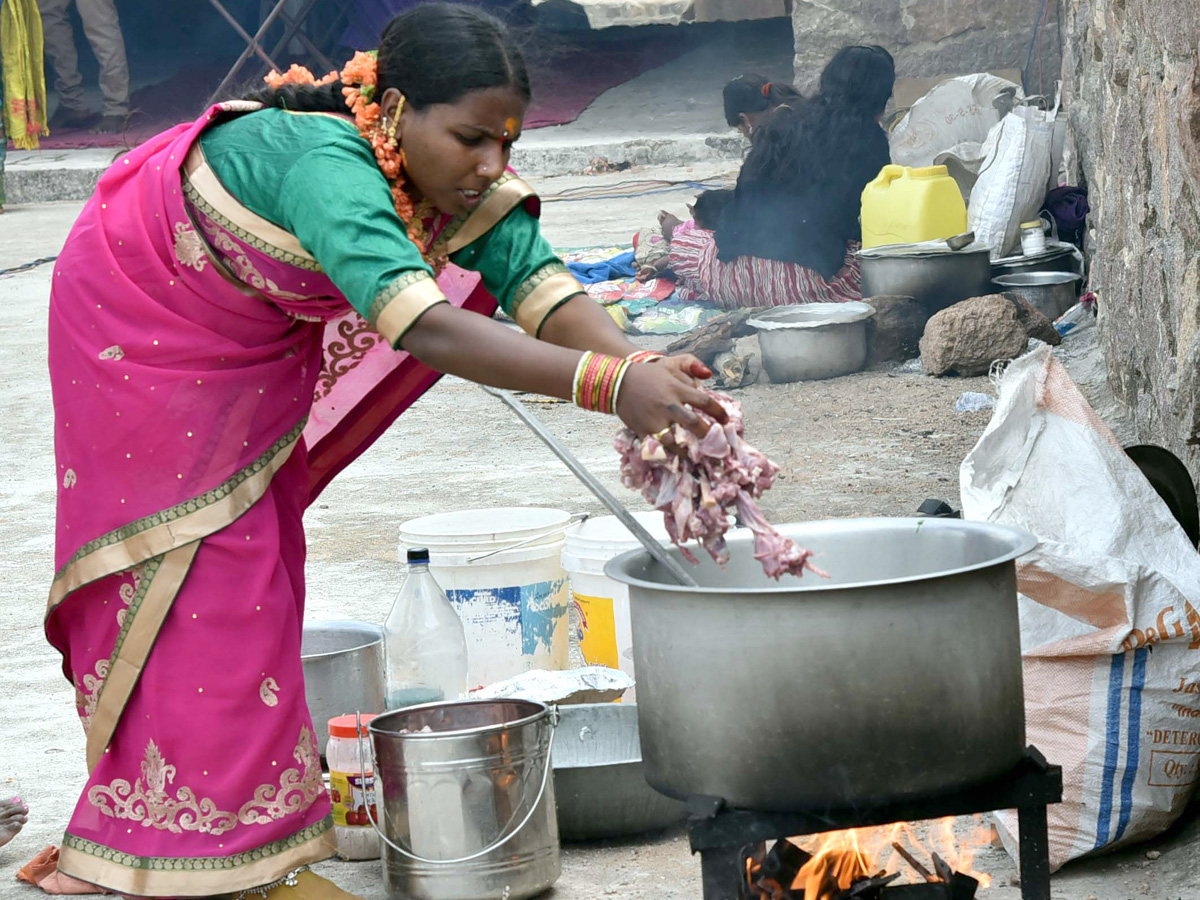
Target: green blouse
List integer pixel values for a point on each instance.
(313, 176)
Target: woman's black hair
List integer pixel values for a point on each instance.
(755, 94)
(824, 137)
(860, 78)
(434, 53)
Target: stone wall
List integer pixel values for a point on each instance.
(931, 37)
(1133, 92)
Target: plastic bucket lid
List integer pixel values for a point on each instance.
(485, 530)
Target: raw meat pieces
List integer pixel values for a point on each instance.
(698, 484)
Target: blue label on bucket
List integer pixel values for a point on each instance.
(529, 609)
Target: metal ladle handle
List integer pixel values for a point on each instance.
(653, 547)
(408, 854)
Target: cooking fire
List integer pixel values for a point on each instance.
(894, 862)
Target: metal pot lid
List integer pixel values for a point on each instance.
(1054, 250)
(923, 250)
(1036, 279)
(812, 315)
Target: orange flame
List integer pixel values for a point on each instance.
(842, 858)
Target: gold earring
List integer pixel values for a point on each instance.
(395, 123)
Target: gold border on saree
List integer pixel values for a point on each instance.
(505, 195)
(196, 876)
(176, 526)
(541, 294)
(147, 612)
(399, 310)
(202, 186)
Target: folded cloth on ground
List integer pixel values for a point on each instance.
(608, 292)
(619, 266)
(42, 871)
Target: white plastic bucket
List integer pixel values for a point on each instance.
(601, 605)
(502, 570)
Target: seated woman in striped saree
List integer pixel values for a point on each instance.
(792, 230)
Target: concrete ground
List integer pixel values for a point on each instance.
(875, 443)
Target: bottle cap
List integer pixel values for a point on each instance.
(343, 726)
(418, 555)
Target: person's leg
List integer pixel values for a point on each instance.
(102, 27)
(60, 47)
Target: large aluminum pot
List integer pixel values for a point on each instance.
(598, 778)
(933, 274)
(812, 340)
(343, 671)
(899, 676)
(467, 806)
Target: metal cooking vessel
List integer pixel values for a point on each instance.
(598, 777)
(1053, 293)
(813, 340)
(935, 275)
(1059, 257)
(343, 671)
(898, 677)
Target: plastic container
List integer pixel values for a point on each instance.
(907, 206)
(1033, 237)
(502, 570)
(424, 646)
(600, 605)
(353, 798)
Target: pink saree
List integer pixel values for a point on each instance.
(209, 380)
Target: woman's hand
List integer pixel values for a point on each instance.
(646, 273)
(656, 395)
(687, 368)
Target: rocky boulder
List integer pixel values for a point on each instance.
(968, 337)
(894, 332)
(1037, 324)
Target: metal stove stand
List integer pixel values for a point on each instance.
(722, 835)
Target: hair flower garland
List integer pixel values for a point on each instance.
(359, 80)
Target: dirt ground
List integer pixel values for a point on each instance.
(872, 444)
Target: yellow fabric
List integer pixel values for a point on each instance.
(24, 77)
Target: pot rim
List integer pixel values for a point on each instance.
(543, 711)
(1023, 543)
(837, 315)
(365, 626)
(1050, 279)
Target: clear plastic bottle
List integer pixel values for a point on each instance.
(425, 648)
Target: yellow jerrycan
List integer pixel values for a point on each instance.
(904, 206)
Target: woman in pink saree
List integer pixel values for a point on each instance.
(241, 309)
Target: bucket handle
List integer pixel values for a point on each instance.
(554, 718)
(575, 520)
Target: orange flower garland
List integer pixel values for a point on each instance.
(360, 78)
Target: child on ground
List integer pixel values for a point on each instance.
(652, 245)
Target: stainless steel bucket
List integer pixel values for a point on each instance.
(343, 671)
(467, 809)
(898, 677)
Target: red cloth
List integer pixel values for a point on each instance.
(42, 871)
